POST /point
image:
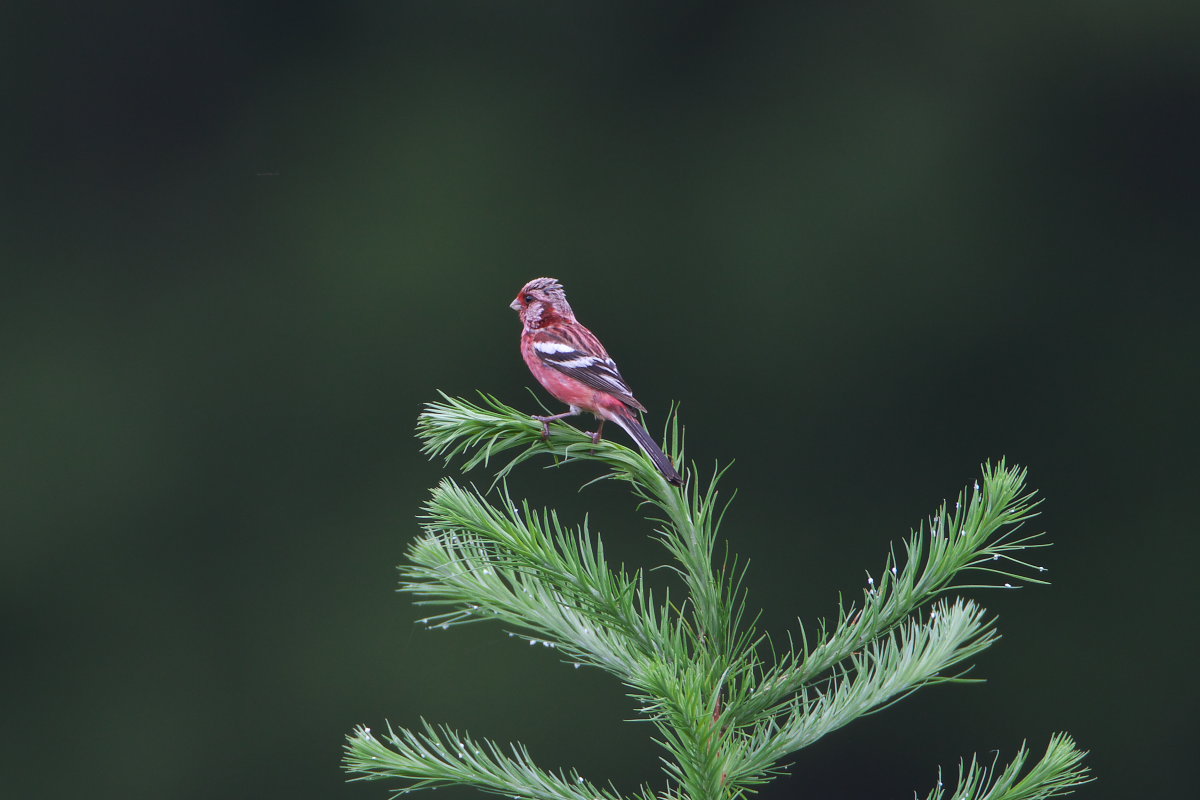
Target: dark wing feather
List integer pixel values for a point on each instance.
(586, 361)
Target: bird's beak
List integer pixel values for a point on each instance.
(515, 305)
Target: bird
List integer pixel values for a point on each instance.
(570, 363)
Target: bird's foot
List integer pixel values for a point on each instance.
(545, 424)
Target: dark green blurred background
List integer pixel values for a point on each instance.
(866, 246)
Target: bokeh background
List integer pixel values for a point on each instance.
(866, 247)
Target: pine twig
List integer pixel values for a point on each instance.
(727, 707)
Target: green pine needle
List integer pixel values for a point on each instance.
(727, 706)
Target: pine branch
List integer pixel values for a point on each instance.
(443, 757)
(977, 536)
(528, 571)
(726, 708)
(1058, 772)
(458, 427)
(889, 669)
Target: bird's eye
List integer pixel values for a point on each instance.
(528, 298)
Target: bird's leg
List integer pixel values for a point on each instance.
(596, 433)
(572, 411)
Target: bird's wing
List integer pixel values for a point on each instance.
(580, 355)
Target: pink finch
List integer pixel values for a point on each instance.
(569, 361)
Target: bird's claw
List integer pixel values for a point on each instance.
(545, 425)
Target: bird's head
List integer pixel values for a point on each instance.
(542, 301)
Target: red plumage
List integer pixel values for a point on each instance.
(569, 362)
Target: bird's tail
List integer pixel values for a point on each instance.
(644, 440)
